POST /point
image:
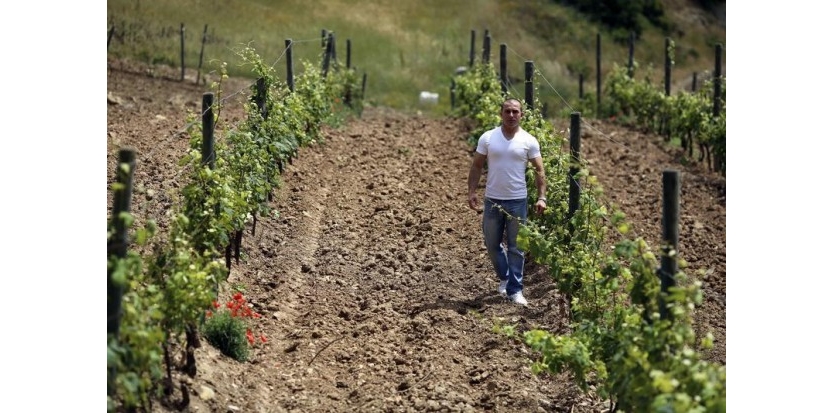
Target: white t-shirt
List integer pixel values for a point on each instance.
(507, 159)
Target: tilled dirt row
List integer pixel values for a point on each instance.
(378, 288)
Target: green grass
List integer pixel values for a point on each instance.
(404, 47)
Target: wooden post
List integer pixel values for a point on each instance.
(528, 70)
(670, 235)
(332, 41)
(208, 155)
(667, 66)
(487, 47)
(348, 54)
(364, 83)
(238, 239)
(117, 245)
(631, 42)
(665, 129)
(260, 97)
(598, 74)
(694, 82)
(575, 161)
(182, 49)
(348, 92)
(290, 75)
(504, 78)
(202, 49)
(208, 158)
(110, 36)
(327, 54)
(323, 38)
(581, 85)
(718, 105)
(452, 91)
(471, 50)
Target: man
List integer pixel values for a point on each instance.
(507, 148)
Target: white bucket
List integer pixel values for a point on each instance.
(428, 98)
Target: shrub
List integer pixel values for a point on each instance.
(228, 331)
(227, 334)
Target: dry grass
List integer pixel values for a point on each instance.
(405, 47)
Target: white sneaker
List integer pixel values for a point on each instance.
(501, 289)
(518, 298)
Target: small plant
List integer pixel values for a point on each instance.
(228, 331)
(404, 151)
(502, 328)
(239, 287)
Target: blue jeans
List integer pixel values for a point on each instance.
(507, 259)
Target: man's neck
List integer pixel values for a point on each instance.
(509, 133)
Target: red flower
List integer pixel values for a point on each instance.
(237, 307)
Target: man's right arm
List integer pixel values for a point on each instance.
(474, 177)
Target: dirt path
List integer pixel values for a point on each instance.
(373, 278)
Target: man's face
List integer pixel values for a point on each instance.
(511, 113)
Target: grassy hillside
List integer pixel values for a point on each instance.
(406, 47)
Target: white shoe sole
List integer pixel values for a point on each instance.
(501, 289)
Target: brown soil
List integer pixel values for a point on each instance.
(372, 277)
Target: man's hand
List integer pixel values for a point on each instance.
(540, 206)
(473, 203)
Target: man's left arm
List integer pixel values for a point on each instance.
(540, 183)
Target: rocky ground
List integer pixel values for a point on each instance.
(372, 276)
